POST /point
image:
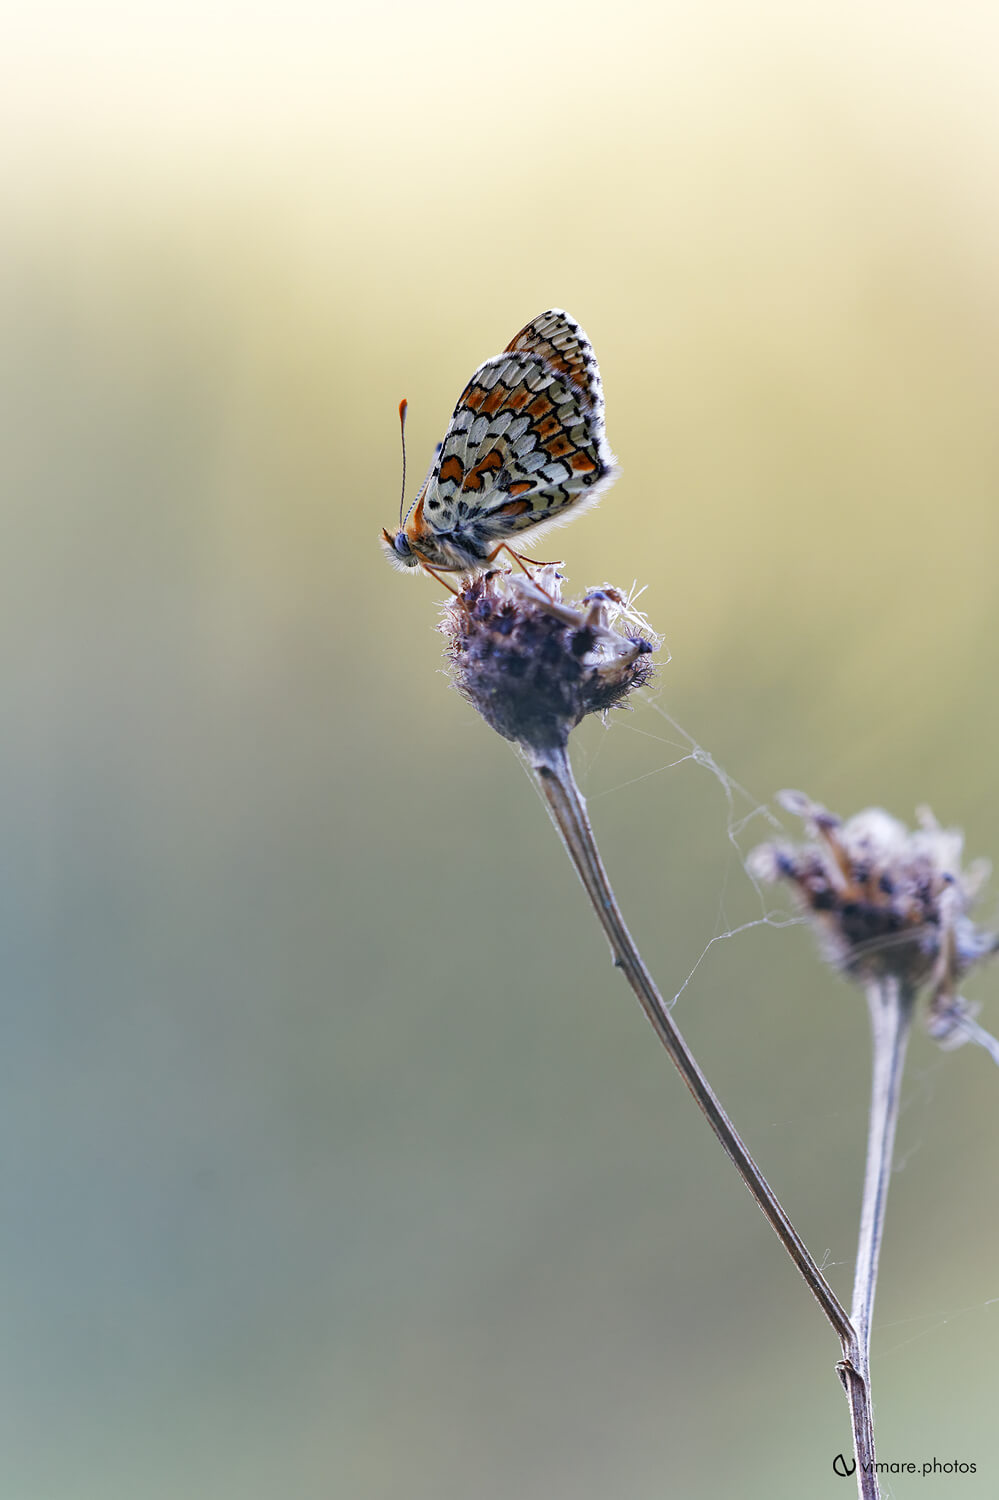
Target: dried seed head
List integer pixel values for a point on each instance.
(533, 666)
(886, 902)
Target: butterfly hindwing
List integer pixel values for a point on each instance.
(526, 438)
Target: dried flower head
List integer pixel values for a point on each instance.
(533, 666)
(887, 902)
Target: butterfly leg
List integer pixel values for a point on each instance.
(434, 574)
(525, 563)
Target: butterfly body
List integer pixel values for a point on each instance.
(525, 449)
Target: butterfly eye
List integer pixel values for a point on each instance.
(401, 544)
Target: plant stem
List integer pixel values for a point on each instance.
(567, 809)
(891, 1006)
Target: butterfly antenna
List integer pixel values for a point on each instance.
(403, 407)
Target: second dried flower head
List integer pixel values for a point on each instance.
(887, 902)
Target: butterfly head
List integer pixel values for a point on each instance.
(398, 551)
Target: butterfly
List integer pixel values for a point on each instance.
(525, 449)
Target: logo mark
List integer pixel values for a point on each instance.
(842, 1468)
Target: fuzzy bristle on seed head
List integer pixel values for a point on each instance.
(886, 901)
(533, 666)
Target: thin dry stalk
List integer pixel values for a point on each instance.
(553, 773)
(891, 1004)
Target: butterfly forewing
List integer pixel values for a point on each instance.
(561, 343)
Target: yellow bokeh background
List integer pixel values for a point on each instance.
(339, 1161)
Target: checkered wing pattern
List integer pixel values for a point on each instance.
(526, 440)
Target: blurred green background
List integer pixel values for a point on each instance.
(337, 1160)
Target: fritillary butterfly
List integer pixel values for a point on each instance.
(525, 449)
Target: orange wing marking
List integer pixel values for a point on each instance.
(452, 468)
(488, 465)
